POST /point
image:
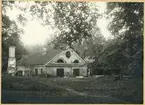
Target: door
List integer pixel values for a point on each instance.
(36, 71)
(60, 72)
(76, 72)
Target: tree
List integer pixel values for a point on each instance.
(75, 20)
(72, 21)
(127, 27)
(10, 37)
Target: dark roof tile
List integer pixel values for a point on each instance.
(38, 58)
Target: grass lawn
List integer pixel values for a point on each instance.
(71, 90)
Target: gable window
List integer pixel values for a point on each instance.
(68, 54)
(75, 61)
(60, 61)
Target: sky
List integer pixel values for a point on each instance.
(103, 22)
(35, 33)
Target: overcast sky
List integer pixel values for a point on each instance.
(36, 33)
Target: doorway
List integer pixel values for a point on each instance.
(60, 72)
(76, 72)
(36, 71)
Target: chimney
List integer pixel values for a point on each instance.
(12, 51)
(11, 61)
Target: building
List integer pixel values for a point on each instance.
(54, 62)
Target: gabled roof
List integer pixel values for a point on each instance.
(41, 58)
(38, 58)
(63, 52)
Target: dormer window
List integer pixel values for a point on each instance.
(60, 61)
(75, 61)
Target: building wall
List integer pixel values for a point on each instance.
(42, 70)
(82, 70)
(67, 70)
(26, 71)
(51, 71)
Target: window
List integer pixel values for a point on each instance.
(68, 54)
(75, 61)
(60, 61)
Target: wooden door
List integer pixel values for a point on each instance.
(60, 72)
(76, 72)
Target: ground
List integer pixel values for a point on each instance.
(71, 90)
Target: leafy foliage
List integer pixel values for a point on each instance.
(75, 20)
(127, 27)
(76, 27)
(10, 37)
